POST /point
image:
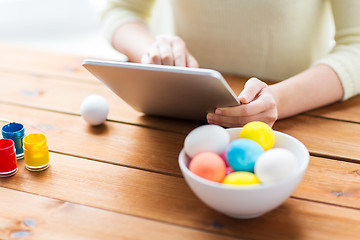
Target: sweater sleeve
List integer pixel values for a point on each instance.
(119, 12)
(344, 58)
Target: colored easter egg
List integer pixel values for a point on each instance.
(94, 109)
(208, 165)
(229, 170)
(275, 164)
(241, 154)
(241, 178)
(259, 132)
(223, 157)
(206, 138)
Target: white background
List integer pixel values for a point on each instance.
(67, 26)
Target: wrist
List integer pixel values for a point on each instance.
(132, 39)
(276, 92)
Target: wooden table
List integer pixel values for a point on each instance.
(122, 181)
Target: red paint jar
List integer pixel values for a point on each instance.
(8, 163)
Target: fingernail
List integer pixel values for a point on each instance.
(242, 98)
(210, 116)
(218, 111)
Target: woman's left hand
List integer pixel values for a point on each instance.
(257, 103)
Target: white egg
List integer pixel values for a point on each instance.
(275, 164)
(206, 138)
(94, 109)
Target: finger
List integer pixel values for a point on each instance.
(154, 55)
(145, 59)
(251, 90)
(267, 117)
(179, 52)
(191, 61)
(261, 104)
(227, 121)
(264, 103)
(166, 53)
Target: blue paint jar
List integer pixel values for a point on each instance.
(15, 132)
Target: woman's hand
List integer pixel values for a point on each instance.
(257, 104)
(169, 50)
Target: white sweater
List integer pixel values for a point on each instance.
(269, 39)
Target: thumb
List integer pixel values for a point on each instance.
(252, 88)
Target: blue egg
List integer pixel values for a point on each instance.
(242, 154)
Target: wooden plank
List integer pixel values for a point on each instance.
(20, 59)
(168, 199)
(36, 217)
(158, 194)
(144, 148)
(324, 137)
(60, 94)
(26, 60)
(331, 181)
(117, 143)
(321, 136)
(348, 110)
(45, 92)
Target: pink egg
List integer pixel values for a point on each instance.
(208, 165)
(229, 170)
(223, 156)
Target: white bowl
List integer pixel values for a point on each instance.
(248, 201)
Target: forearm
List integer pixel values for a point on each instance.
(315, 87)
(132, 39)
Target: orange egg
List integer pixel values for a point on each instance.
(208, 165)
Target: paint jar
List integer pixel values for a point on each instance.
(15, 132)
(36, 152)
(8, 163)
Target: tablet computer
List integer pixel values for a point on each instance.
(178, 92)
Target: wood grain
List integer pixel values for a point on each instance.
(112, 142)
(347, 111)
(143, 148)
(121, 180)
(321, 136)
(35, 217)
(168, 199)
(19, 59)
(324, 137)
(52, 94)
(331, 181)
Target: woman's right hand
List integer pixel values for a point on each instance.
(169, 50)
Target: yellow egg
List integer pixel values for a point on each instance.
(259, 132)
(241, 178)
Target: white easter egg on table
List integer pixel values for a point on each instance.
(94, 109)
(206, 138)
(274, 165)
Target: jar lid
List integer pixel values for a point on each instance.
(35, 142)
(13, 130)
(7, 147)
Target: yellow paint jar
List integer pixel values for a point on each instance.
(36, 152)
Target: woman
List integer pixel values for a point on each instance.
(285, 41)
